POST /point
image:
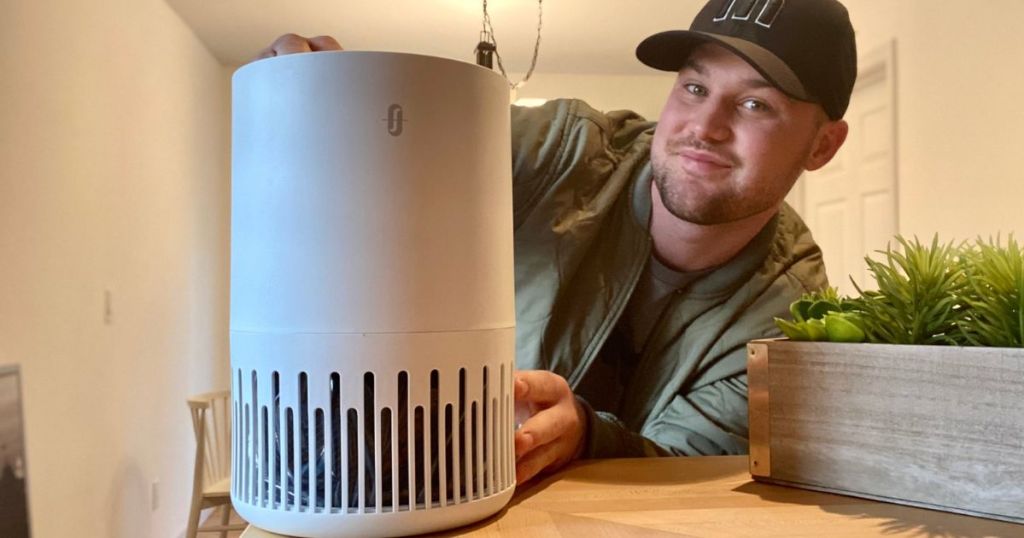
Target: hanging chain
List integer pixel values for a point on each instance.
(488, 35)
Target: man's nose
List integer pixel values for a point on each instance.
(712, 121)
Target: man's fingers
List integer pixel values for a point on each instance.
(544, 427)
(540, 387)
(523, 443)
(324, 42)
(294, 43)
(520, 388)
(553, 435)
(290, 44)
(536, 461)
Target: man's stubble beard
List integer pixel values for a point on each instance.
(719, 207)
(719, 203)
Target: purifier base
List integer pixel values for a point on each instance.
(339, 524)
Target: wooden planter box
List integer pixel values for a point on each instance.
(930, 426)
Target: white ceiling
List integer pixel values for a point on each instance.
(578, 36)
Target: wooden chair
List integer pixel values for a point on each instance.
(211, 482)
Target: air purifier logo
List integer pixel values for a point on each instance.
(395, 119)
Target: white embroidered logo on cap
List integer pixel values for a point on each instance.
(741, 10)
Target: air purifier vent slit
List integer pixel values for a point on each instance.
(264, 457)
(234, 447)
(462, 469)
(254, 429)
(493, 457)
(449, 463)
(247, 463)
(404, 448)
(392, 457)
(350, 495)
(487, 410)
(370, 447)
(385, 499)
(320, 478)
(474, 442)
(433, 440)
(418, 487)
(233, 432)
(237, 439)
(502, 432)
(275, 433)
(288, 442)
(303, 444)
(334, 450)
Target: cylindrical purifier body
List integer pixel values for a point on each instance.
(372, 294)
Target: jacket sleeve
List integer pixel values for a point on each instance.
(710, 420)
(551, 140)
(539, 141)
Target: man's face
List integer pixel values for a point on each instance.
(730, 145)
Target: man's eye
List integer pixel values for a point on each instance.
(696, 89)
(755, 105)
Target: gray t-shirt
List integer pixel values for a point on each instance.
(622, 350)
(651, 295)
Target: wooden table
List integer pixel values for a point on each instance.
(707, 497)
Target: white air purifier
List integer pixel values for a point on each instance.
(372, 294)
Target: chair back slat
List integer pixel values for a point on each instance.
(220, 434)
(211, 421)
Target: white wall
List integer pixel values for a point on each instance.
(113, 175)
(960, 123)
(644, 94)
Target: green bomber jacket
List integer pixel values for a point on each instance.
(581, 192)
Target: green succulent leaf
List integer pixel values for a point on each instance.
(809, 313)
(793, 331)
(819, 308)
(994, 309)
(800, 309)
(843, 328)
(816, 330)
(920, 295)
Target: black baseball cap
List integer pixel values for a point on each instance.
(806, 48)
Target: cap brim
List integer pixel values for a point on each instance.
(668, 51)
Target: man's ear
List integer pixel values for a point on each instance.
(830, 138)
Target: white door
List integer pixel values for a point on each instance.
(850, 204)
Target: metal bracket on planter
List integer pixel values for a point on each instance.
(759, 410)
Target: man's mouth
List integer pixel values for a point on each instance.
(705, 157)
(702, 162)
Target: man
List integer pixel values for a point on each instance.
(647, 257)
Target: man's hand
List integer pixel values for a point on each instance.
(554, 434)
(291, 44)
